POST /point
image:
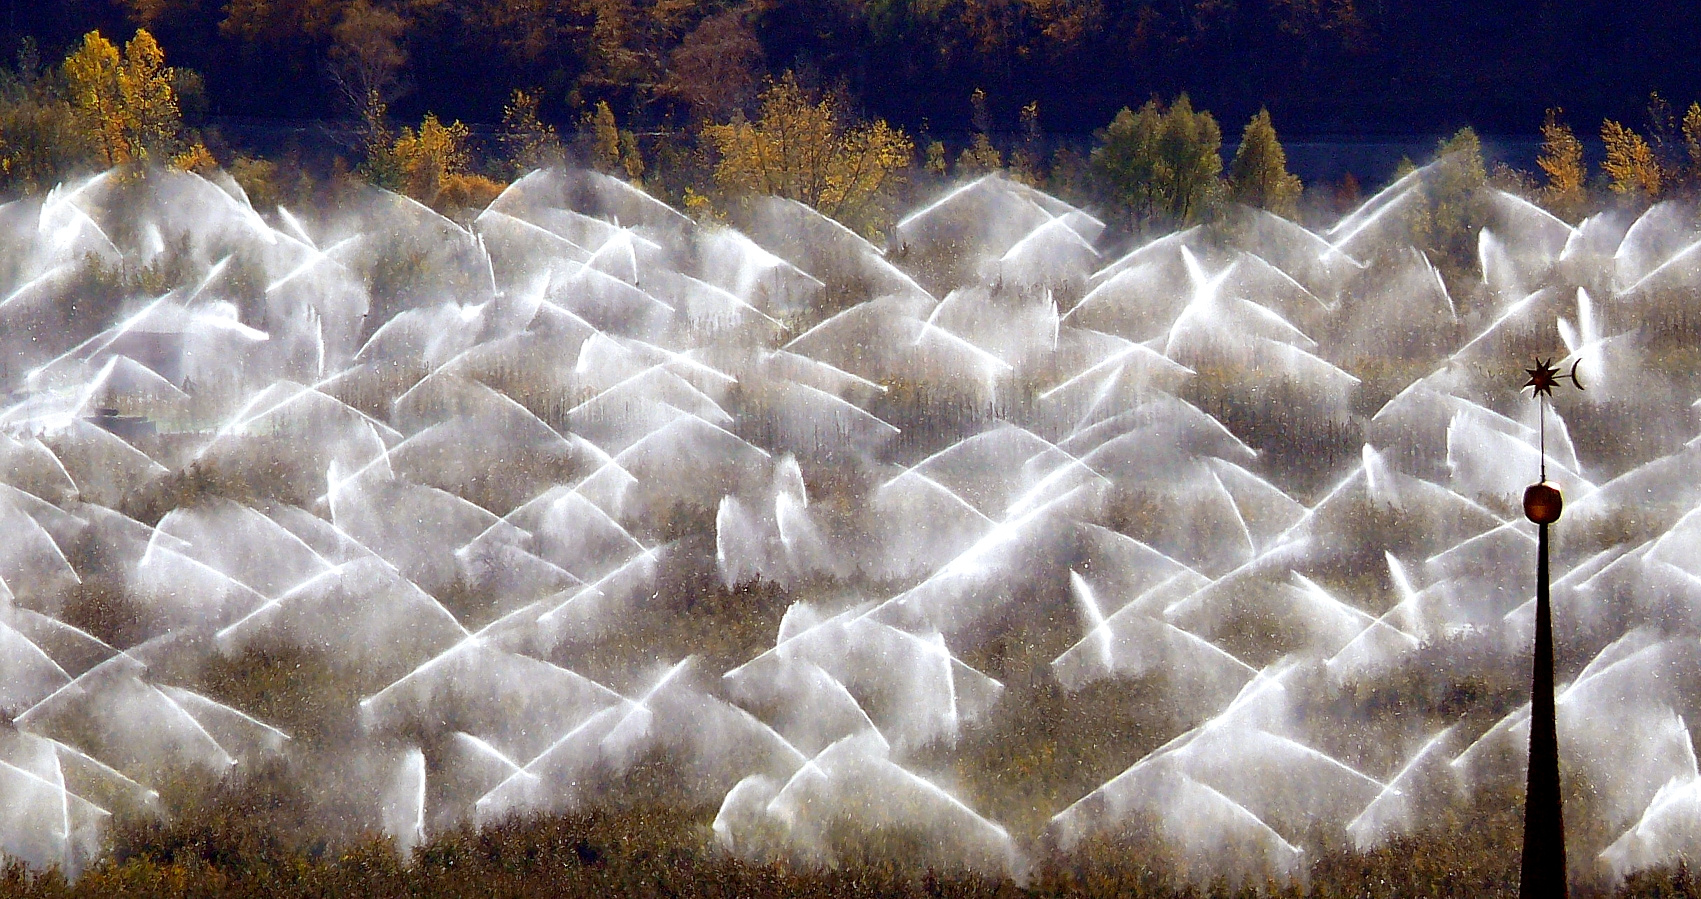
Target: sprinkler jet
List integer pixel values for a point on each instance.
(1543, 866)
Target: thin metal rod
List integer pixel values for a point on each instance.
(1541, 428)
(1544, 816)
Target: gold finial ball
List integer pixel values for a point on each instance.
(1542, 503)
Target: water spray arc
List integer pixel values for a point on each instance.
(1543, 873)
(977, 548)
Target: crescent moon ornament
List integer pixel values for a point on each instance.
(1544, 377)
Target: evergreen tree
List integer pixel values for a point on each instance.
(1451, 205)
(605, 138)
(935, 159)
(1455, 208)
(1461, 169)
(613, 149)
(1190, 155)
(1259, 175)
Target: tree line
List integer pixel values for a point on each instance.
(1153, 167)
(104, 105)
(1322, 66)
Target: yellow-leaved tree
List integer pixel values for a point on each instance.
(433, 165)
(528, 142)
(1692, 140)
(1562, 160)
(1629, 165)
(802, 148)
(126, 101)
(91, 76)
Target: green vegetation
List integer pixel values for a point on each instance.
(1259, 175)
(1153, 168)
(1159, 166)
(1451, 207)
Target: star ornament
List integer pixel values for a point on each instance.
(1544, 377)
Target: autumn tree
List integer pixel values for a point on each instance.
(714, 69)
(1692, 141)
(1561, 159)
(1158, 166)
(1630, 167)
(1259, 175)
(126, 101)
(92, 75)
(366, 55)
(804, 149)
(999, 28)
(429, 156)
(1347, 194)
(528, 142)
(148, 98)
(280, 22)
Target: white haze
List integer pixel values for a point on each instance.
(585, 397)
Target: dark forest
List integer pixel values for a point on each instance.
(1322, 67)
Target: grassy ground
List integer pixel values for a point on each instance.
(226, 851)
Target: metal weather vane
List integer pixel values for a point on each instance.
(1544, 377)
(1543, 868)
